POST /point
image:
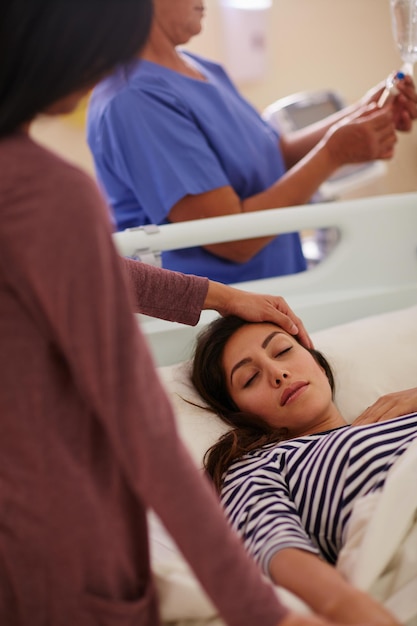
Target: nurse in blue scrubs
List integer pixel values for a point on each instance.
(173, 140)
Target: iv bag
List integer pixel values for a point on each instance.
(404, 28)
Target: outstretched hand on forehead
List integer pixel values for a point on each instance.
(254, 307)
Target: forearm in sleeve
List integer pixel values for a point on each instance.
(165, 294)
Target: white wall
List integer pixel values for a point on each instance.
(345, 45)
(342, 44)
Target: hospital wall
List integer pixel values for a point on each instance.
(343, 45)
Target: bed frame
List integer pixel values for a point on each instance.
(372, 269)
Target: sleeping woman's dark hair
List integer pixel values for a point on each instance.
(247, 431)
(52, 48)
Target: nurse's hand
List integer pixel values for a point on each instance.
(389, 406)
(363, 136)
(255, 307)
(403, 104)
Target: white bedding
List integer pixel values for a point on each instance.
(369, 357)
(380, 552)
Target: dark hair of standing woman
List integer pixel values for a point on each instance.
(247, 431)
(52, 48)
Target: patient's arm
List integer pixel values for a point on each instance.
(294, 619)
(324, 590)
(389, 406)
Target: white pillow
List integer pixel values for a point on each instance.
(369, 357)
(199, 427)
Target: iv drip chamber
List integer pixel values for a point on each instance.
(404, 28)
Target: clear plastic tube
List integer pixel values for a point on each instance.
(390, 85)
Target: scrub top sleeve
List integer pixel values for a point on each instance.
(152, 137)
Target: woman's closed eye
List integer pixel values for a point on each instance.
(281, 352)
(250, 381)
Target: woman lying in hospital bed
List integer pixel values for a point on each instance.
(292, 474)
(290, 469)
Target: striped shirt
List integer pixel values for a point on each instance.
(300, 493)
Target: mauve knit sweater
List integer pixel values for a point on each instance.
(87, 438)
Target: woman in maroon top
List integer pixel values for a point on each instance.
(87, 438)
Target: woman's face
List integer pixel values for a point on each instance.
(268, 373)
(180, 20)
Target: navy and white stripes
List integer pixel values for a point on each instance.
(300, 493)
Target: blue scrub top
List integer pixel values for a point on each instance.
(157, 136)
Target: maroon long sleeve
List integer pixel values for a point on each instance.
(87, 437)
(177, 297)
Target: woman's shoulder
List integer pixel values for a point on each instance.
(44, 185)
(139, 89)
(268, 455)
(281, 453)
(24, 156)
(63, 177)
(134, 91)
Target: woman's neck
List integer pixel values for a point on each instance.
(328, 422)
(159, 49)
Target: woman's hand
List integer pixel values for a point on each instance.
(403, 104)
(389, 406)
(366, 135)
(255, 307)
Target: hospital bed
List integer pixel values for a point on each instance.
(360, 306)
